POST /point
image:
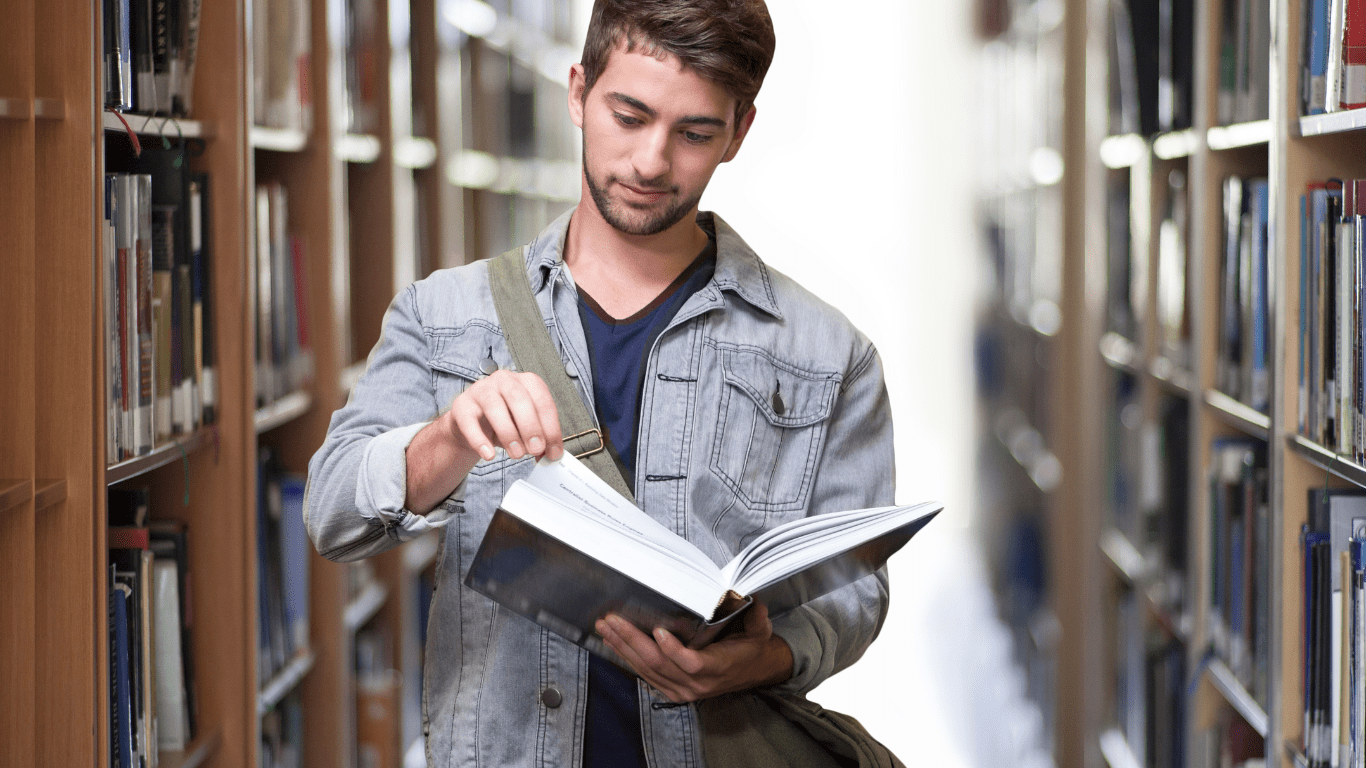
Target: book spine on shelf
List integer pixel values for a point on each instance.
(163, 248)
(146, 346)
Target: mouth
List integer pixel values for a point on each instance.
(644, 194)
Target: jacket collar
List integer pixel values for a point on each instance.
(739, 270)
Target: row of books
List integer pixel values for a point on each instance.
(284, 354)
(151, 680)
(1334, 628)
(1332, 396)
(1333, 56)
(1244, 61)
(282, 553)
(281, 64)
(159, 338)
(1148, 487)
(1150, 692)
(149, 51)
(1240, 553)
(1152, 49)
(1243, 353)
(363, 67)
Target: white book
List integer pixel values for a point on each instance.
(173, 721)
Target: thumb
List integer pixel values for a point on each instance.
(757, 623)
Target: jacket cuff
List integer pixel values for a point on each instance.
(382, 487)
(801, 636)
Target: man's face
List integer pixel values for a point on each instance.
(653, 133)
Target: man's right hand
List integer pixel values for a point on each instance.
(512, 411)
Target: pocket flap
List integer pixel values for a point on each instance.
(460, 352)
(803, 398)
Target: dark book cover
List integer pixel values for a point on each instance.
(567, 591)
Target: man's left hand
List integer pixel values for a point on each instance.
(748, 659)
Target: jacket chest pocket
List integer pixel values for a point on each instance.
(770, 428)
(463, 357)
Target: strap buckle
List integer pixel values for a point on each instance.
(586, 433)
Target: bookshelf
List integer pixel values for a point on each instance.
(1176, 416)
(368, 212)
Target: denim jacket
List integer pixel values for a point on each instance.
(760, 404)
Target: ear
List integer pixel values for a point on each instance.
(576, 94)
(741, 130)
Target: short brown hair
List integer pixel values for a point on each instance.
(729, 42)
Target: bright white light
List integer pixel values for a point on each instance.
(475, 170)
(1045, 165)
(1122, 151)
(473, 17)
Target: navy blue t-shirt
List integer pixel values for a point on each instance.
(617, 350)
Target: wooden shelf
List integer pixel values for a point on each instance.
(1128, 562)
(1145, 578)
(1121, 353)
(1296, 757)
(148, 125)
(1116, 751)
(1238, 415)
(50, 493)
(284, 681)
(1327, 460)
(1237, 696)
(14, 492)
(1177, 144)
(277, 139)
(359, 148)
(1333, 122)
(1177, 380)
(1239, 135)
(163, 454)
(365, 605)
(15, 109)
(197, 753)
(414, 152)
(282, 411)
(49, 109)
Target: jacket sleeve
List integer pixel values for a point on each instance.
(856, 471)
(357, 481)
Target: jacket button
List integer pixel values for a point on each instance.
(552, 698)
(570, 371)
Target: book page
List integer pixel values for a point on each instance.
(794, 546)
(575, 486)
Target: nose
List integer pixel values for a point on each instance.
(651, 159)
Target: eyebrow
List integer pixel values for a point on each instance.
(637, 104)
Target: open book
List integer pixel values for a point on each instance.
(564, 549)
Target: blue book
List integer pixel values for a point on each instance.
(121, 679)
(295, 550)
(1318, 32)
(1261, 315)
(1302, 401)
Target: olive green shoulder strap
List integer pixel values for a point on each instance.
(532, 350)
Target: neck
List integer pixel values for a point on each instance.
(625, 272)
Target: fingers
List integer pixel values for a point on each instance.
(659, 661)
(512, 411)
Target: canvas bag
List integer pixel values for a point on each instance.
(750, 729)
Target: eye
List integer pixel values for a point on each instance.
(697, 138)
(626, 119)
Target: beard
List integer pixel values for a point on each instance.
(629, 219)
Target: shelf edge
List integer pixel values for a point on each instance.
(284, 681)
(14, 492)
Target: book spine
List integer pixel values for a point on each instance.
(145, 415)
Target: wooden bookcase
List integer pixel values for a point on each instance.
(1097, 372)
(440, 181)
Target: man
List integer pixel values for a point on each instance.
(733, 399)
